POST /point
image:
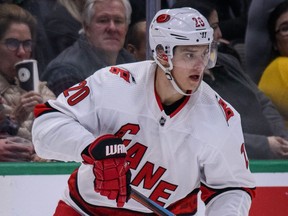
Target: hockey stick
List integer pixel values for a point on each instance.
(153, 206)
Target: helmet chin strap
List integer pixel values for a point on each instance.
(167, 71)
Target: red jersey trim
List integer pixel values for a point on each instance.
(41, 109)
(175, 111)
(158, 100)
(185, 206)
(180, 107)
(209, 193)
(94, 210)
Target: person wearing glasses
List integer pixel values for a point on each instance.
(105, 24)
(274, 80)
(257, 43)
(17, 34)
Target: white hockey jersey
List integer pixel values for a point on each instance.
(171, 156)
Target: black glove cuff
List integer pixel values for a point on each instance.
(106, 146)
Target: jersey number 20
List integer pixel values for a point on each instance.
(82, 91)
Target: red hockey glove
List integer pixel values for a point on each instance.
(111, 170)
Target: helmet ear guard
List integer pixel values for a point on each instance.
(162, 59)
(160, 53)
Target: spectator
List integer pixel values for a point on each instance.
(233, 18)
(10, 150)
(233, 23)
(264, 130)
(105, 25)
(136, 40)
(274, 81)
(258, 46)
(17, 34)
(16, 149)
(39, 9)
(139, 9)
(155, 123)
(74, 7)
(63, 24)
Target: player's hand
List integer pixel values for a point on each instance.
(112, 174)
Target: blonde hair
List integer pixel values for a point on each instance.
(74, 7)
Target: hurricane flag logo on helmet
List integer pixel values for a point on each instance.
(163, 18)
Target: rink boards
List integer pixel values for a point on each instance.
(34, 188)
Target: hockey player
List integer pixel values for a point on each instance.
(152, 125)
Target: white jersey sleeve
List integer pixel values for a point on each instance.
(67, 125)
(70, 122)
(231, 203)
(226, 179)
(64, 146)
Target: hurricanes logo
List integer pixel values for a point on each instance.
(123, 73)
(227, 110)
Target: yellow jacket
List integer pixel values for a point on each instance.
(274, 83)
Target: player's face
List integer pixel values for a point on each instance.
(108, 26)
(189, 63)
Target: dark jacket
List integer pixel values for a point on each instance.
(259, 116)
(76, 63)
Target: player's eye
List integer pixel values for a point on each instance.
(190, 55)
